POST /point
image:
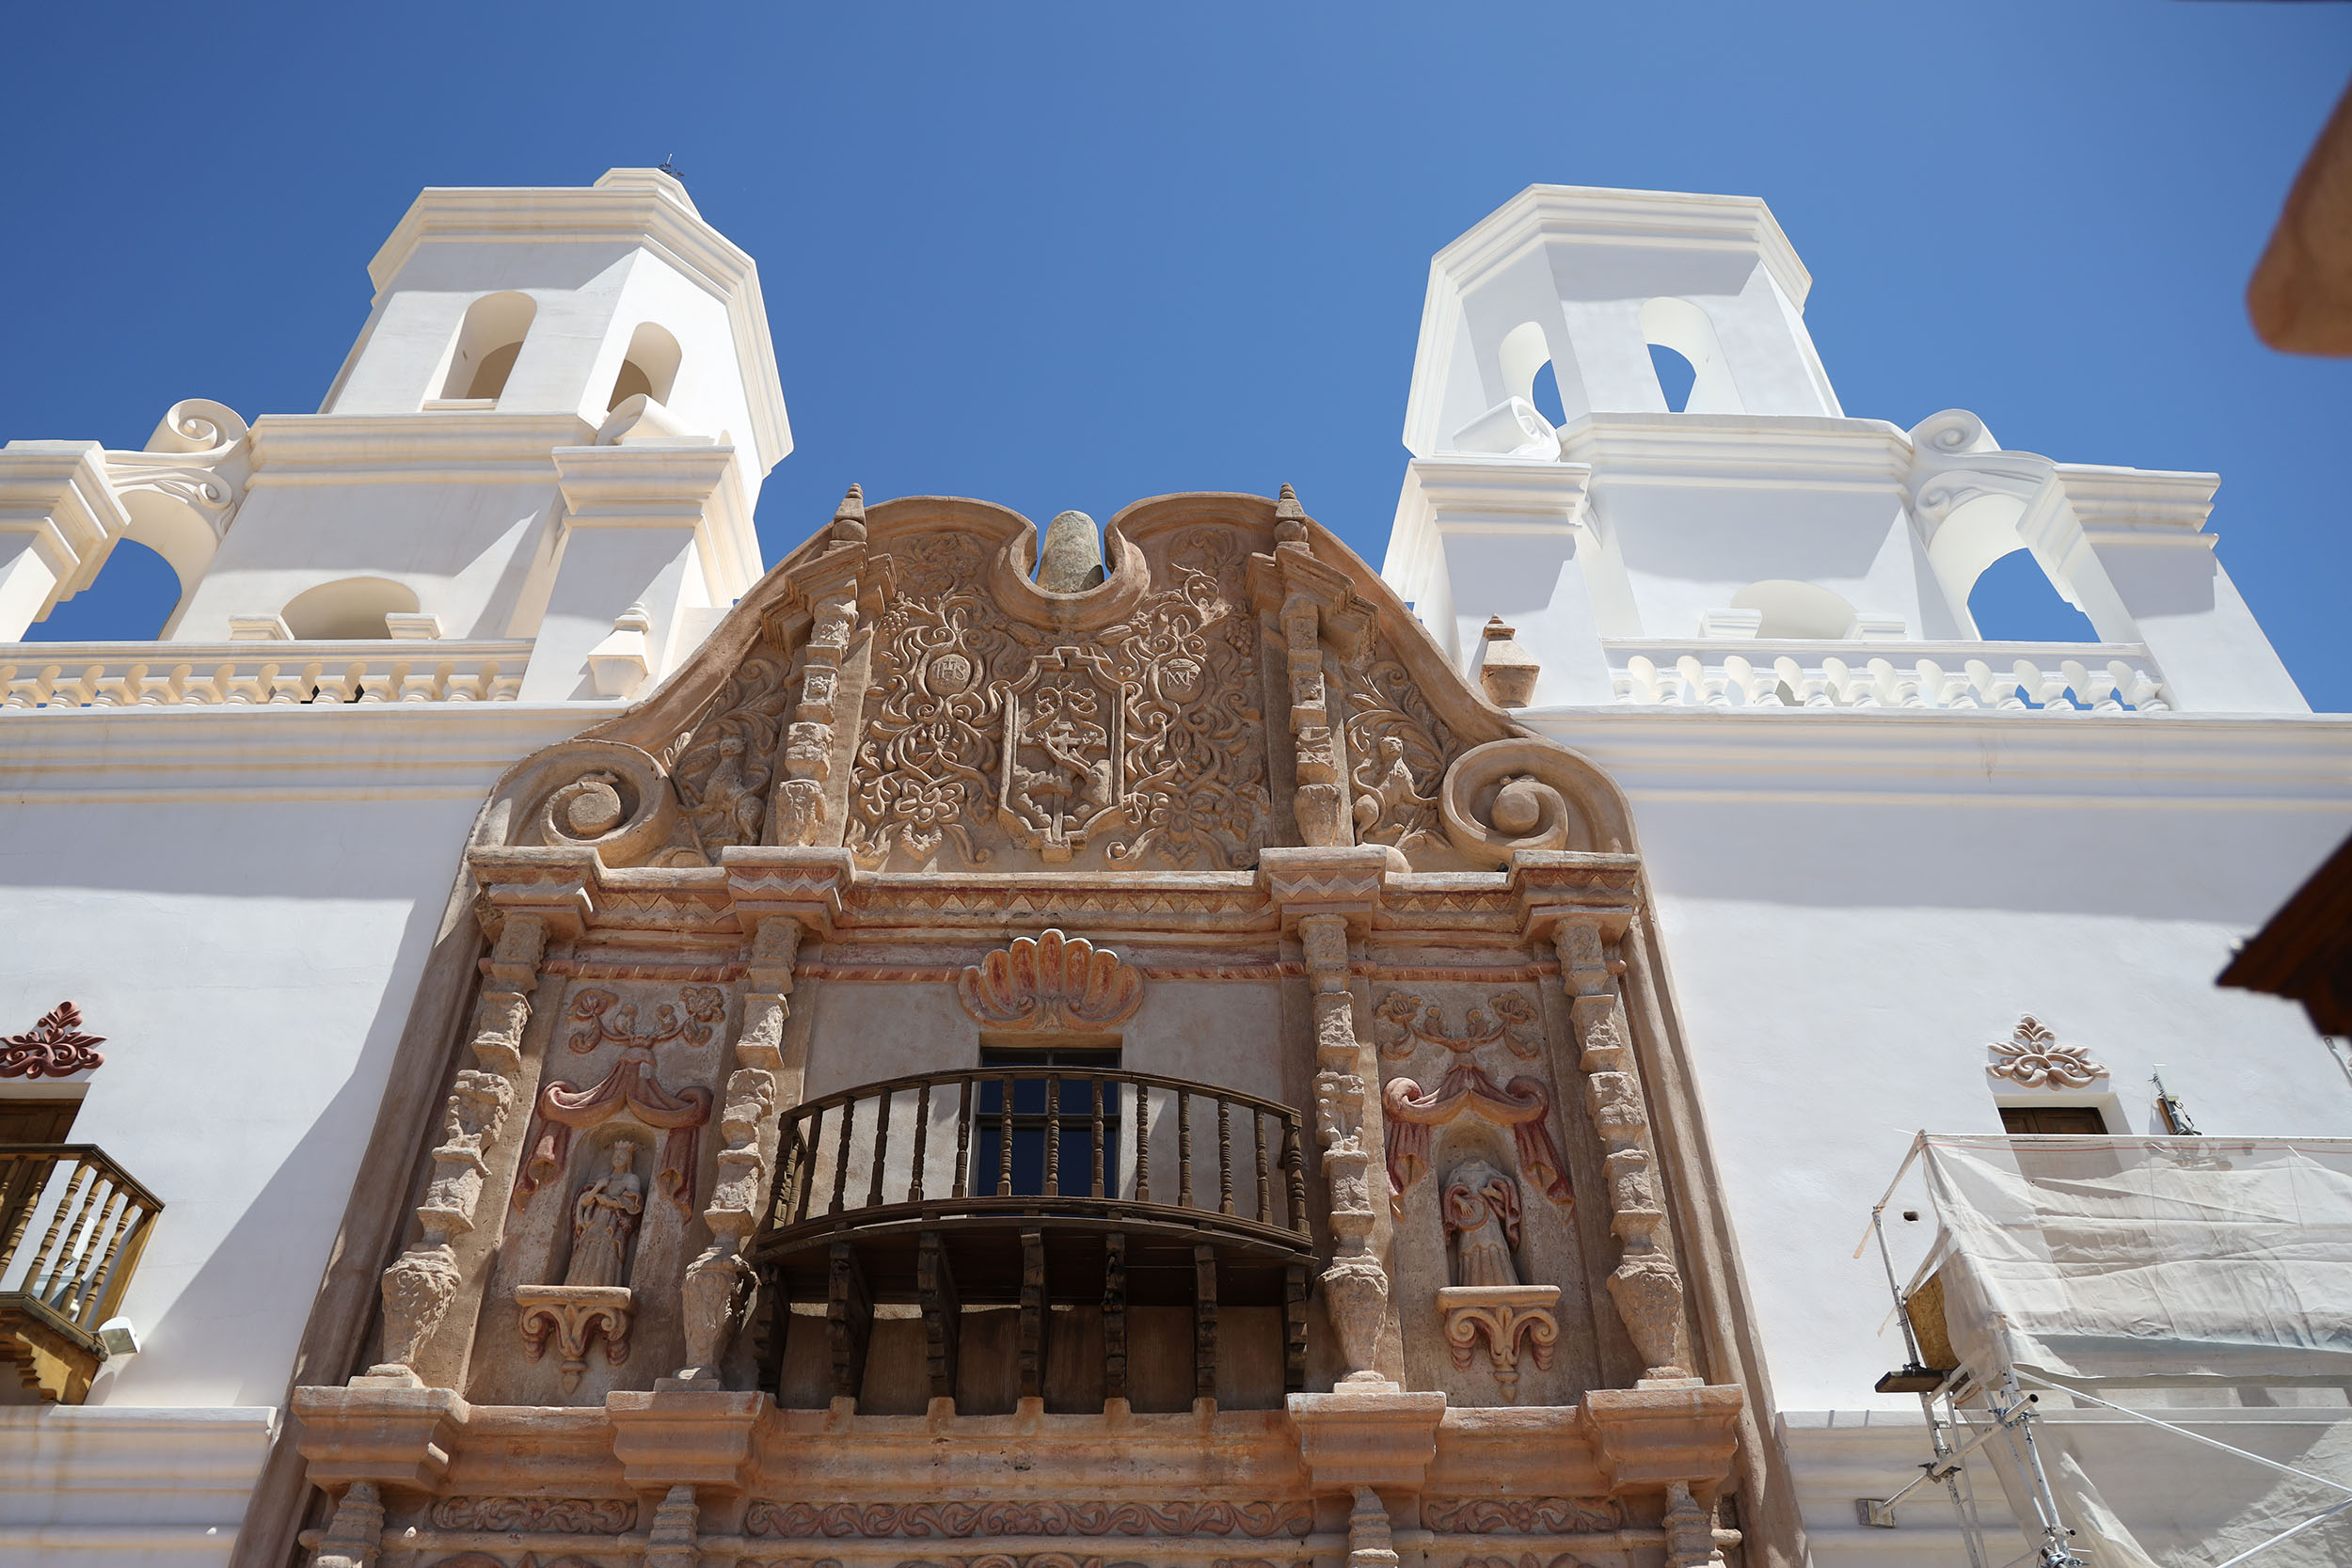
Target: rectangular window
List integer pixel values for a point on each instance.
(1025, 1067)
(2052, 1118)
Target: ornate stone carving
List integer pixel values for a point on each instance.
(1480, 1210)
(1400, 749)
(52, 1047)
(1512, 795)
(353, 1535)
(1520, 1516)
(1690, 1531)
(1523, 1105)
(417, 1289)
(572, 1315)
(1355, 1287)
(1404, 1025)
(600, 1017)
(1527, 1560)
(2034, 1056)
(1646, 1285)
(1051, 981)
(604, 1221)
(556, 1515)
(1065, 752)
(957, 1521)
(1503, 1316)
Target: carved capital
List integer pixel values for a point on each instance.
(1504, 1316)
(572, 1315)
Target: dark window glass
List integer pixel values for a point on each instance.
(1024, 1070)
(2052, 1118)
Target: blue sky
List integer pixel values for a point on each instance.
(1068, 256)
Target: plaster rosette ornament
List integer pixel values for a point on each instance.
(52, 1047)
(2034, 1056)
(1051, 982)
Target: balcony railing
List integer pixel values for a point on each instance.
(2053, 677)
(72, 1227)
(1038, 1185)
(69, 676)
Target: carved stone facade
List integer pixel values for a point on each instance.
(1159, 1040)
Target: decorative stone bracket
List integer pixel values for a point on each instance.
(572, 1315)
(1502, 1315)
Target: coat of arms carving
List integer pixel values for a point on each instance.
(1064, 758)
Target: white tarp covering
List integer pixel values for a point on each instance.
(2205, 1281)
(2142, 1261)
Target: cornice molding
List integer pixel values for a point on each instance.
(1597, 216)
(1743, 450)
(416, 449)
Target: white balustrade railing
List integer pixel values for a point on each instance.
(78, 676)
(2049, 677)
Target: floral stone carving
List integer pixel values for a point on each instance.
(52, 1047)
(1065, 752)
(957, 1521)
(561, 1515)
(1520, 1516)
(2034, 1056)
(1051, 981)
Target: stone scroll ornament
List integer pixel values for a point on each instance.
(52, 1047)
(564, 1109)
(1523, 1104)
(2034, 1056)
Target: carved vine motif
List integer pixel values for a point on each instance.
(1195, 762)
(599, 1017)
(729, 759)
(1520, 1516)
(563, 1515)
(1406, 1025)
(927, 762)
(51, 1048)
(1398, 750)
(2034, 1056)
(957, 1521)
(1526, 1560)
(993, 1560)
(1051, 981)
(1143, 737)
(528, 1560)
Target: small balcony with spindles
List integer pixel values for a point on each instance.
(985, 1215)
(71, 1226)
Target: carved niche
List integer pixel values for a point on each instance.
(633, 1086)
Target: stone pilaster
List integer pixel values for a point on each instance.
(419, 1285)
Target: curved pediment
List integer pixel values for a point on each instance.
(900, 687)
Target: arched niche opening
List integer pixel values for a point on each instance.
(1797, 611)
(1675, 376)
(650, 368)
(2023, 601)
(2013, 600)
(1684, 331)
(134, 596)
(489, 341)
(347, 609)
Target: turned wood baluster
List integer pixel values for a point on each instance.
(1143, 1145)
(1293, 1168)
(1096, 1083)
(812, 1142)
(788, 1184)
(76, 1297)
(1183, 1149)
(922, 1140)
(881, 1148)
(841, 1157)
(1004, 1142)
(25, 1171)
(963, 1136)
(41, 1261)
(1265, 1188)
(135, 1214)
(1053, 1135)
(1224, 1155)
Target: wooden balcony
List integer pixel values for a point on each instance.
(1027, 1186)
(92, 1220)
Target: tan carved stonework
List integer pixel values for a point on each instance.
(1520, 1516)
(560, 1516)
(1523, 1104)
(956, 1521)
(1504, 1317)
(631, 1087)
(1050, 982)
(572, 1316)
(2033, 1058)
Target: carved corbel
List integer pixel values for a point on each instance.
(572, 1315)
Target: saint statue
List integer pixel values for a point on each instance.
(604, 1217)
(1482, 1221)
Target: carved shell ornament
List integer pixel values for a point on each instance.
(1051, 981)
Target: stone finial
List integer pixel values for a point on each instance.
(1508, 673)
(1290, 518)
(1071, 559)
(849, 519)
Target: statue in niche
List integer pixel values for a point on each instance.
(1480, 1207)
(604, 1217)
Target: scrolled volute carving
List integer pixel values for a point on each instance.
(1114, 598)
(615, 800)
(1521, 793)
